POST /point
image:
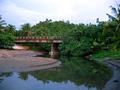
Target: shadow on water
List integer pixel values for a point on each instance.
(76, 74)
(43, 54)
(47, 54)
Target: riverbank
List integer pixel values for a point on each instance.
(110, 57)
(114, 82)
(21, 60)
(103, 55)
(113, 62)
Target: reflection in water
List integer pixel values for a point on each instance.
(76, 74)
(4, 75)
(23, 75)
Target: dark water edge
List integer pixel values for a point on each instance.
(76, 74)
(114, 82)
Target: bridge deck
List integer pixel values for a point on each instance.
(38, 40)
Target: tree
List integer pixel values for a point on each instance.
(6, 39)
(115, 18)
(80, 41)
(26, 29)
(10, 29)
(114, 24)
(2, 24)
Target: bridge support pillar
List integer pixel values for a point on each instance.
(54, 53)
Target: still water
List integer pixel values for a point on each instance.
(75, 74)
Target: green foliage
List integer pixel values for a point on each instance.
(88, 39)
(80, 41)
(114, 26)
(2, 23)
(45, 28)
(108, 54)
(41, 47)
(25, 30)
(6, 40)
(10, 29)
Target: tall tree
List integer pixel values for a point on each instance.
(114, 26)
(26, 29)
(115, 18)
(10, 29)
(2, 23)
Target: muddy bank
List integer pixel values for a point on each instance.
(21, 60)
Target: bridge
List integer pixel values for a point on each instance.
(54, 41)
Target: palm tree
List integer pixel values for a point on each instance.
(115, 18)
(2, 23)
(10, 29)
(26, 29)
(115, 21)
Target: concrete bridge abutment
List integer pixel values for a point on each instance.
(54, 53)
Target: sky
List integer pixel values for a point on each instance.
(18, 12)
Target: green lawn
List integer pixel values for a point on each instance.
(106, 54)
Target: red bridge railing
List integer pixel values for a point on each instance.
(53, 38)
(39, 39)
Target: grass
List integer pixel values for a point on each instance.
(106, 54)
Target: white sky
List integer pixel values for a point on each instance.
(17, 12)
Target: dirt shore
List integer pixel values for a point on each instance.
(21, 60)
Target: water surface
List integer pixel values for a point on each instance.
(76, 74)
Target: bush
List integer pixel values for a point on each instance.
(78, 42)
(6, 40)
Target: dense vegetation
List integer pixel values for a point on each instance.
(7, 38)
(88, 39)
(78, 39)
